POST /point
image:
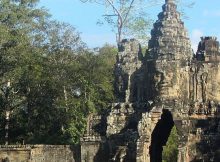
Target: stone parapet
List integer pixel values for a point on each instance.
(38, 153)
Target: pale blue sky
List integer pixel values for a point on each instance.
(204, 19)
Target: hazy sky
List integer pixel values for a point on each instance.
(204, 19)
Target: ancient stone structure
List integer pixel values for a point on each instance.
(168, 26)
(208, 49)
(39, 153)
(169, 86)
(126, 69)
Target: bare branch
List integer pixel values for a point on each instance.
(110, 15)
(129, 9)
(120, 20)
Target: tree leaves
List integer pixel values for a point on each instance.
(45, 61)
(170, 151)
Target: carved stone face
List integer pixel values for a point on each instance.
(165, 81)
(213, 84)
(167, 84)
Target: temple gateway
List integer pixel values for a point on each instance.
(170, 85)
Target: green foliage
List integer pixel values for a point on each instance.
(43, 64)
(170, 151)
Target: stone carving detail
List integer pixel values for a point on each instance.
(170, 86)
(208, 49)
(169, 39)
(128, 63)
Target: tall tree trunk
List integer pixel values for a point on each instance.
(7, 112)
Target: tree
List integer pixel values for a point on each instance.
(18, 21)
(84, 85)
(170, 151)
(49, 81)
(126, 16)
(65, 48)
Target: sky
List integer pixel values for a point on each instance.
(203, 19)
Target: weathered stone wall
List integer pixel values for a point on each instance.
(39, 153)
(145, 128)
(94, 149)
(127, 75)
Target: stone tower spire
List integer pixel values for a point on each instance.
(169, 1)
(169, 38)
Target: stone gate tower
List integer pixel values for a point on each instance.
(169, 55)
(169, 39)
(169, 86)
